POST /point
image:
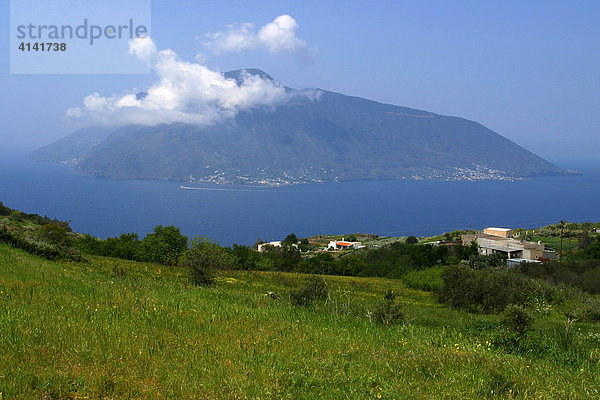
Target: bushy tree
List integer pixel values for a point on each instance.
(4, 210)
(495, 260)
(245, 257)
(322, 263)
(290, 239)
(164, 245)
(203, 258)
(351, 238)
(411, 240)
(517, 319)
(53, 234)
(284, 258)
(484, 290)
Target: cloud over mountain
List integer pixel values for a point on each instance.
(185, 92)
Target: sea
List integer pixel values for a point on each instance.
(241, 214)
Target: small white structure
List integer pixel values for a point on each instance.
(342, 245)
(262, 247)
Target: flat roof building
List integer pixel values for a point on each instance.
(491, 244)
(501, 232)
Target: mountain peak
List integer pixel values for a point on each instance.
(238, 74)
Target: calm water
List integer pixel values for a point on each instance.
(240, 214)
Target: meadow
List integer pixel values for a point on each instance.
(116, 329)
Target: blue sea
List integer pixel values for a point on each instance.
(240, 214)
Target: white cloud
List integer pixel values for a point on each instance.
(276, 36)
(143, 48)
(185, 92)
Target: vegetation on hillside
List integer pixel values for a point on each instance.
(73, 330)
(202, 320)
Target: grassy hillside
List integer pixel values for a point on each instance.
(118, 329)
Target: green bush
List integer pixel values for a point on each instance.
(313, 289)
(411, 240)
(164, 245)
(54, 234)
(44, 250)
(203, 258)
(517, 319)
(584, 274)
(388, 312)
(484, 290)
(4, 210)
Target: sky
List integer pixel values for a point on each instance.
(529, 70)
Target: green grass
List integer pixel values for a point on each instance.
(117, 329)
(554, 242)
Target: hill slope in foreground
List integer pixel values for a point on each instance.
(117, 329)
(318, 138)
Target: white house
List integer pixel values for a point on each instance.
(277, 243)
(261, 247)
(342, 244)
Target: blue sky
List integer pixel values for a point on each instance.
(528, 70)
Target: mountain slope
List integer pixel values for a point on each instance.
(329, 137)
(73, 147)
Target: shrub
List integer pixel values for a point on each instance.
(53, 234)
(479, 261)
(245, 257)
(313, 289)
(203, 258)
(388, 312)
(484, 290)
(126, 246)
(4, 210)
(49, 252)
(16, 216)
(411, 240)
(517, 319)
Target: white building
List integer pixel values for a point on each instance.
(262, 246)
(277, 243)
(342, 245)
(491, 244)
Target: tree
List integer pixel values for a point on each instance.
(561, 225)
(258, 241)
(203, 258)
(290, 239)
(517, 319)
(53, 234)
(246, 258)
(4, 210)
(411, 240)
(164, 245)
